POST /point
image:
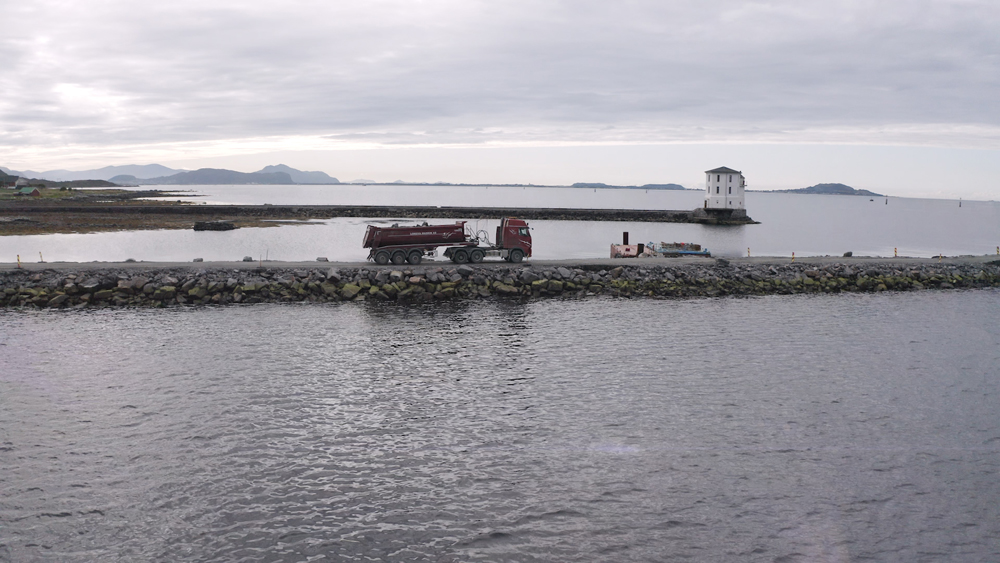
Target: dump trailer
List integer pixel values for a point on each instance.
(402, 244)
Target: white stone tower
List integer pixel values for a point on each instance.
(724, 189)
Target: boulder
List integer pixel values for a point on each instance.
(164, 293)
(350, 291)
(529, 277)
(504, 289)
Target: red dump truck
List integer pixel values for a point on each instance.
(410, 244)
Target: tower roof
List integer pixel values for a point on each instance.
(723, 170)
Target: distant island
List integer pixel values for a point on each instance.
(278, 174)
(827, 189)
(155, 174)
(209, 176)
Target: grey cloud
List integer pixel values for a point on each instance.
(435, 72)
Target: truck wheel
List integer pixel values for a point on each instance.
(460, 256)
(414, 257)
(398, 257)
(516, 255)
(382, 258)
(476, 256)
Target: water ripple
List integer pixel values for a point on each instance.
(768, 429)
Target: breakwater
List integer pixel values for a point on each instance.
(66, 287)
(289, 212)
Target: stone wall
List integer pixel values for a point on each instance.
(65, 288)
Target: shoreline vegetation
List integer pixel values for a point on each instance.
(70, 210)
(78, 286)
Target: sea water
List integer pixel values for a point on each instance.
(803, 224)
(782, 428)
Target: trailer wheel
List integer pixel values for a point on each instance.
(414, 257)
(398, 258)
(476, 256)
(516, 255)
(382, 258)
(460, 256)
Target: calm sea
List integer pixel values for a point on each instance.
(777, 429)
(803, 224)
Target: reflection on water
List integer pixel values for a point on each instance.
(832, 428)
(804, 224)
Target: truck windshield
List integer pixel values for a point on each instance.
(523, 231)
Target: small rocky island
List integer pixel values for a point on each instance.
(829, 189)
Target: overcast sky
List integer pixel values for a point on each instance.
(620, 92)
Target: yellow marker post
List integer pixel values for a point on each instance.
(19, 261)
(793, 257)
(940, 256)
(748, 251)
(895, 252)
(40, 259)
(998, 251)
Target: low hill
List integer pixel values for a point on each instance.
(299, 176)
(830, 189)
(220, 176)
(125, 180)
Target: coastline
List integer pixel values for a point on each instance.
(146, 284)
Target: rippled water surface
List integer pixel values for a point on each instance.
(798, 428)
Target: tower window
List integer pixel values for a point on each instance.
(730, 189)
(716, 189)
(717, 176)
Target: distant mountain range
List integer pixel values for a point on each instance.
(209, 176)
(829, 189)
(106, 173)
(155, 174)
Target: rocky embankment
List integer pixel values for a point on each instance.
(158, 287)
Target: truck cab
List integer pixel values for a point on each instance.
(514, 239)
